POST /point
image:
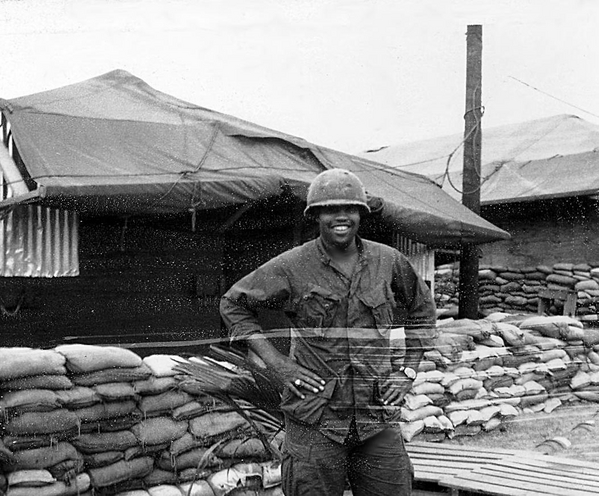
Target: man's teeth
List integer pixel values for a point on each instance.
(341, 229)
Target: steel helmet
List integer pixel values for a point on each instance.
(336, 187)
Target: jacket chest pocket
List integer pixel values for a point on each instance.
(317, 307)
(380, 302)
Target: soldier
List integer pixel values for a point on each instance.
(344, 380)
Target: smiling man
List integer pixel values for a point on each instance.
(344, 380)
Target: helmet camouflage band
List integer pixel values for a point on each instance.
(336, 187)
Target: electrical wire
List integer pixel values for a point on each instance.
(554, 97)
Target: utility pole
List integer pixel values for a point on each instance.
(468, 284)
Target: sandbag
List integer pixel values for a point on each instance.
(29, 400)
(30, 423)
(590, 337)
(105, 441)
(159, 430)
(154, 385)
(17, 443)
(84, 358)
(30, 478)
(551, 404)
(116, 391)
(120, 471)
(25, 362)
(580, 380)
(415, 401)
(529, 401)
(511, 334)
(93, 460)
(432, 424)
(463, 384)
(216, 423)
(474, 418)
(477, 329)
(121, 374)
(65, 470)
(429, 376)
(427, 388)
(421, 413)
(194, 409)
(458, 417)
(43, 381)
(467, 394)
(42, 458)
(158, 477)
(588, 395)
(78, 397)
(247, 449)
(162, 365)
(491, 424)
(164, 490)
(102, 411)
(409, 430)
(112, 424)
(163, 403)
(185, 443)
(189, 459)
(76, 487)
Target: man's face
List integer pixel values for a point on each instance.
(338, 225)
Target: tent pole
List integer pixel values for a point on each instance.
(468, 283)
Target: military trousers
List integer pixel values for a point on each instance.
(314, 465)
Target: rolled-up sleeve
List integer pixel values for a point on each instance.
(420, 311)
(266, 287)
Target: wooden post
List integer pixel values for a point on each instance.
(468, 284)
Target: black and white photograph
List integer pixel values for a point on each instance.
(299, 248)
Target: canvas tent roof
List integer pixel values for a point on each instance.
(545, 158)
(115, 144)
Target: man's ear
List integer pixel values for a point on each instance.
(375, 203)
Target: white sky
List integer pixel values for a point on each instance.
(348, 74)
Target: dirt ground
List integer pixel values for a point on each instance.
(571, 431)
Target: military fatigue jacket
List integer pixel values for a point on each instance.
(341, 327)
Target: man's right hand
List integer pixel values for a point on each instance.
(296, 377)
(288, 371)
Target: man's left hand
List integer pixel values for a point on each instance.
(395, 387)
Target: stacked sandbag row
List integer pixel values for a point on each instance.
(82, 419)
(509, 289)
(484, 372)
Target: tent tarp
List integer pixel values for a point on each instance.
(115, 144)
(541, 159)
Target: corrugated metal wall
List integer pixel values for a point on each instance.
(35, 241)
(39, 242)
(421, 256)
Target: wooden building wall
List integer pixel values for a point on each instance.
(544, 232)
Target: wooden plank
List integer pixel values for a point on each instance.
(432, 476)
(517, 477)
(563, 471)
(549, 461)
(535, 476)
(500, 486)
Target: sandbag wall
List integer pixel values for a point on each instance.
(510, 289)
(91, 420)
(482, 373)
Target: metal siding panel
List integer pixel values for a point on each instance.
(39, 242)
